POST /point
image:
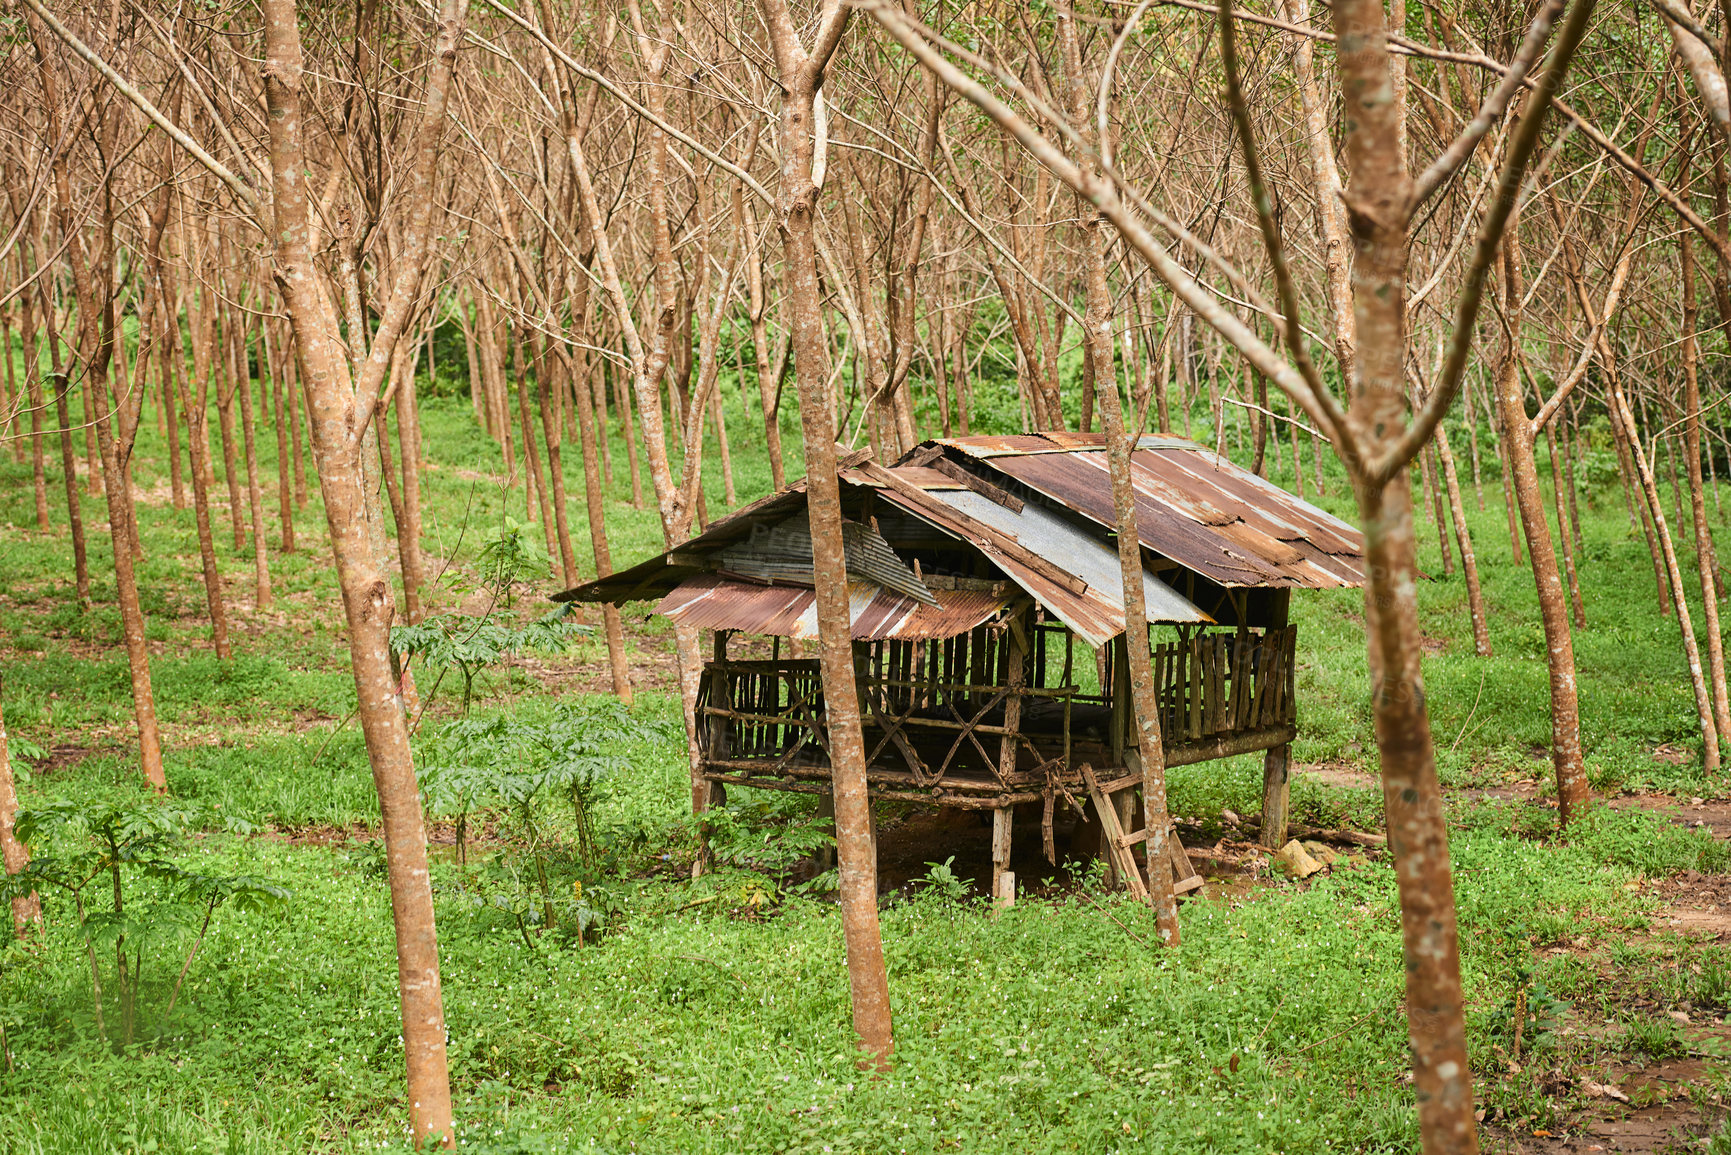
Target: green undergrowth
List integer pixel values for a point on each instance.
(660, 1014)
(722, 1028)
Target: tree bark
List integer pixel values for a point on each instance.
(1625, 416)
(1464, 542)
(26, 908)
(1705, 557)
(1522, 476)
(1149, 743)
(273, 365)
(198, 442)
(254, 492)
(337, 412)
(801, 75)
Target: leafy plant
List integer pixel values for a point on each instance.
(508, 554)
(470, 645)
(531, 770)
(765, 835)
(125, 844)
(941, 881)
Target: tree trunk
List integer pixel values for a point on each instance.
(26, 908)
(1464, 542)
(33, 390)
(168, 371)
(1563, 536)
(409, 447)
(591, 430)
(335, 411)
(1705, 558)
(1624, 415)
(235, 381)
(1149, 744)
(551, 397)
(1522, 475)
(198, 441)
(273, 365)
(801, 75)
(551, 505)
(69, 467)
(254, 492)
(1412, 797)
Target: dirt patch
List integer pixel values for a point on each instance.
(1343, 775)
(1655, 1114)
(61, 758)
(1713, 816)
(1513, 790)
(1694, 905)
(1433, 646)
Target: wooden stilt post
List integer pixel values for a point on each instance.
(1002, 821)
(1276, 790)
(1276, 796)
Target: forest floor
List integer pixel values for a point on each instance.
(658, 1013)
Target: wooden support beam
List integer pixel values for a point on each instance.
(1002, 821)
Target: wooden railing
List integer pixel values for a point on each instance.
(1221, 683)
(766, 718)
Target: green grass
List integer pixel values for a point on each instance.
(713, 1016)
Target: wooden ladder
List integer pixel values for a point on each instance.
(1184, 876)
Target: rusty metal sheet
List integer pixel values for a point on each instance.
(1080, 482)
(994, 445)
(712, 602)
(1192, 505)
(923, 476)
(1258, 500)
(1096, 614)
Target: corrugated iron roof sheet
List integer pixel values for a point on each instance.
(712, 602)
(1096, 613)
(1192, 505)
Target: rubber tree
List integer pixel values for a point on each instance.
(340, 407)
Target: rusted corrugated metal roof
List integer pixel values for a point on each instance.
(712, 602)
(1095, 611)
(1192, 505)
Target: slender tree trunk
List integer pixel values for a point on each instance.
(168, 370)
(69, 468)
(409, 446)
(1149, 743)
(551, 397)
(538, 492)
(33, 390)
(198, 441)
(801, 75)
(590, 431)
(274, 359)
(1691, 653)
(1464, 542)
(1705, 557)
(291, 367)
(1579, 611)
(1433, 498)
(225, 425)
(1412, 797)
(254, 492)
(1522, 476)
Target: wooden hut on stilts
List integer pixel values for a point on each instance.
(989, 635)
